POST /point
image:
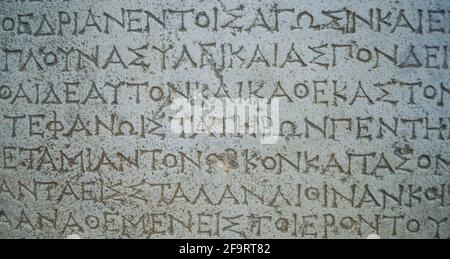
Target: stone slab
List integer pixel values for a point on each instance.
(90, 150)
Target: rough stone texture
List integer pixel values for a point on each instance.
(355, 179)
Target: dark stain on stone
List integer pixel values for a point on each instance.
(403, 149)
(227, 160)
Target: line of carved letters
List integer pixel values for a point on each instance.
(237, 19)
(224, 56)
(215, 224)
(322, 92)
(364, 129)
(403, 160)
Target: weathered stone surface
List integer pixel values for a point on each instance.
(89, 147)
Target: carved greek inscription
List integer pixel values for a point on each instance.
(215, 119)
